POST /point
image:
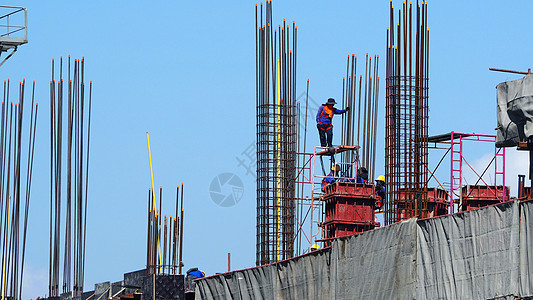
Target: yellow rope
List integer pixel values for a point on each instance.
(153, 197)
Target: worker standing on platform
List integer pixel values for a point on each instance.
(330, 178)
(380, 191)
(323, 119)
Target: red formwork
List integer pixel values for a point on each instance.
(339, 229)
(527, 193)
(436, 204)
(476, 196)
(349, 209)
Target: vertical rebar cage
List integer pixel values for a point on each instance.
(276, 138)
(407, 151)
(406, 146)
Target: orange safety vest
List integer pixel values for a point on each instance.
(326, 112)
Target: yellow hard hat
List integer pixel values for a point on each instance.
(380, 178)
(315, 247)
(336, 168)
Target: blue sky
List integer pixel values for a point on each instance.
(185, 72)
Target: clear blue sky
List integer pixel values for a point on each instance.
(185, 72)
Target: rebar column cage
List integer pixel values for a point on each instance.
(406, 152)
(406, 113)
(276, 170)
(276, 136)
(455, 141)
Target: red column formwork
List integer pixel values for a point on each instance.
(436, 204)
(476, 196)
(349, 209)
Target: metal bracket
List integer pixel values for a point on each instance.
(10, 54)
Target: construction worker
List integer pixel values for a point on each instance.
(190, 285)
(194, 272)
(323, 119)
(330, 178)
(362, 175)
(380, 191)
(314, 247)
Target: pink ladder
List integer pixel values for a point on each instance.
(499, 171)
(456, 153)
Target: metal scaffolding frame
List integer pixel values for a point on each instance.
(309, 174)
(455, 141)
(13, 29)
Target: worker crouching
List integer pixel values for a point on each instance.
(192, 274)
(331, 177)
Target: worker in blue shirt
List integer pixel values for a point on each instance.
(196, 273)
(362, 175)
(380, 191)
(330, 178)
(323, 121)
(192, 275)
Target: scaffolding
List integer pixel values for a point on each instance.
(457, 191)
(13, 29)
(309, 176)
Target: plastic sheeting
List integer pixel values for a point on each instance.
(526, 246)
(514, 111)
(470, 255)
(304, 277)
(479, 254)
(377, 264)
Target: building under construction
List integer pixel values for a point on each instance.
(447, 241)
(324, 228)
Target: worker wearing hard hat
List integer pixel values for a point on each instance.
(314, 247)
(330, 178)
(380, 191)
(323, 121)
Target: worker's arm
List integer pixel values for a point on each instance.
(341, 111)
(318, 113)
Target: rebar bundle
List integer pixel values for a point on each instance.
(276, 137)
(77, 141)
(406, 152)
(12, 203)
(168, 260)
(365, 117)
(164, 241)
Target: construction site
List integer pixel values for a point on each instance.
(419, 188)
